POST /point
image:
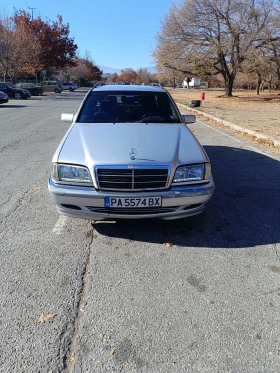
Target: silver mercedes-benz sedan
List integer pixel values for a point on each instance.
(129, 154)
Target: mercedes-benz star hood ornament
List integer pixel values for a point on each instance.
(132, 153)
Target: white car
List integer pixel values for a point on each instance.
(51, 86)
(69, 86)
(129, 154)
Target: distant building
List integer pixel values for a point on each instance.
(203, 84)
(194, 83)
(105, 75)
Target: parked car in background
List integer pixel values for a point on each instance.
(155, 84)
(51, 86)
(179, 85)
(93, 84)
(96, 85)
(89, 84)
(17, 93)
(35, 90)
(129, 154)
(4, 98)
(69, 86)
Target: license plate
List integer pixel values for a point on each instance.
(132, 202)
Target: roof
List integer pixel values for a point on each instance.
(124, 88)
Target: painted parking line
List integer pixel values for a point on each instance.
(60, 225)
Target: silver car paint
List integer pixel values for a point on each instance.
(193, 197)
(97, 144)
(109, 144)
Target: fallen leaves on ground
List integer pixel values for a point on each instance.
(45, 317)
(112, 351)
(260, 113)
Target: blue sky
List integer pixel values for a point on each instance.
(118, 33)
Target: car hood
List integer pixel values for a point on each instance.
(110, 144)
(18, 90)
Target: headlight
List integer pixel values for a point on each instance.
(64, 172)
(196, 172)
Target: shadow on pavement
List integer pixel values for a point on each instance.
(244, 211)
(7, 106)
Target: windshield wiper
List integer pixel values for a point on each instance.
(157, 120)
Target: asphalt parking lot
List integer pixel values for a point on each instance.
(198, 295)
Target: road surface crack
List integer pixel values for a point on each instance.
(69, 359)
(276, 252)
(7, 201)
(18, 141)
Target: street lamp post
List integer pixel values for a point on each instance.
(31, 11)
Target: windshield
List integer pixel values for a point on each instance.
(128, 106)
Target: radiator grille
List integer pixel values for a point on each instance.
(132, 179)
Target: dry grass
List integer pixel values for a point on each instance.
(257, 113)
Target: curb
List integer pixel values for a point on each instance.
(233, 126)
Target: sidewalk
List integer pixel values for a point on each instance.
(255, 136)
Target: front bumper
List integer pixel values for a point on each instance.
(89, 203)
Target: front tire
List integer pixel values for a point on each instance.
(18, 96)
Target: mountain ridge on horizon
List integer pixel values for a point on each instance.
(111, 70)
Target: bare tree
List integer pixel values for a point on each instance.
(271, 50)
(260, 65)
(211, 37)
(78, 72)
(9, 53)
(143, 75)
(85, 70)
(112, 78)
(127, 75)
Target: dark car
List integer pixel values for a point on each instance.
(17, 93)
(97, 85)
(3, 98)
(35, 90)
(89, 84)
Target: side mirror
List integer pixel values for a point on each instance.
(189, 118)
(67, 117)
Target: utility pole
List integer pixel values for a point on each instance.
(31, 11)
